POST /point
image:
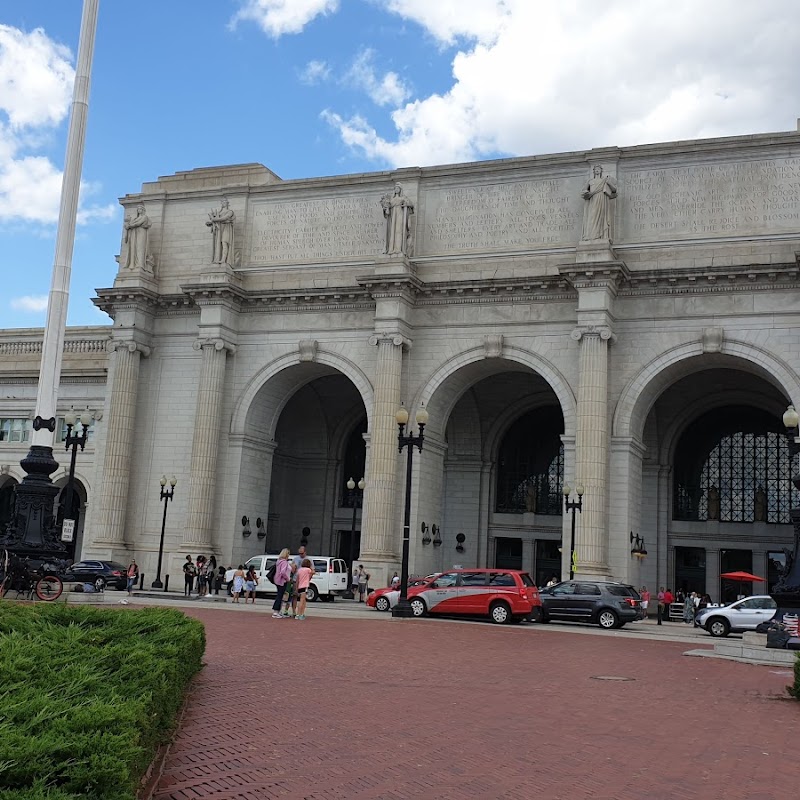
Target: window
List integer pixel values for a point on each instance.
(502, 579)
(15, 429)
(530, 471)
(254, 562)
(562, 589)
(320, 564)
(527, 580)
(622, 591)
(588, 588)
(473, 578)
(444, 581)
(733, 465)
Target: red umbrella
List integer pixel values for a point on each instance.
(741, 577)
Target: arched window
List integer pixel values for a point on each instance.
(355, 457)
(733, 465)
(7, 503)
(530, 469)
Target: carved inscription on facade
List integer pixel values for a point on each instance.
(348, 226)
(521, 215)
(711, 200)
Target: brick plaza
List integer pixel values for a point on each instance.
(380, 709)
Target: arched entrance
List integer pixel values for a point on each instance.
(715, 480)
(302, 436)
(497, 447)
(79, 500)
(7, 488)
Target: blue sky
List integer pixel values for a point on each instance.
(322, 87)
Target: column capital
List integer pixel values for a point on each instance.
(397, 339)
(128, 344)
(603, 331)
(216, 342)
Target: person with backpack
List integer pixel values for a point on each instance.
(279, 574)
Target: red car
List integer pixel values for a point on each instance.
(386, 598)
(504, 595)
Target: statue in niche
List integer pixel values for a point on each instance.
(599, 211)
(221, 224)
(760, 505)
(136, 229)
(397, 209)
(530, 497)
(713, 503)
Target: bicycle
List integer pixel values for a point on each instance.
(18, 576)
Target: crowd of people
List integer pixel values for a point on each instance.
(691, 603)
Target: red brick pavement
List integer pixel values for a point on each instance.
(338, 709)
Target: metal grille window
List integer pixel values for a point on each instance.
(530, 471)
(733, 465)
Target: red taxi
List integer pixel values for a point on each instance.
(503, 595)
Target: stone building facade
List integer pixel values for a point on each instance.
(624, 319)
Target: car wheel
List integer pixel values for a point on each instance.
(718, 626)
(382, 604)
(417, 607)
(607, 619)
(99, 584)
(311, 593)
(500, 613)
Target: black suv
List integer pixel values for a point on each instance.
(608, 604)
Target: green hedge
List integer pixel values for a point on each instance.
(87, 695)
(794, 689)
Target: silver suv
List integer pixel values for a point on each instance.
(743, 615)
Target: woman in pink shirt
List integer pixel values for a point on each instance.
(303, 578)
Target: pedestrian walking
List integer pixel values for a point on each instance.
(363, 583)
(283, 573)
(133, 575)
(304, 573)
(660, 597)
(289, 598)
(202, 575)
(189, 571)
(645, 595)
(238, 582)
(688, 608)
(250, 583)
(669, 599)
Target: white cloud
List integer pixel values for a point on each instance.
(277, 17)
(36, 79)
(34, 303)
(383, 91)
(533, 77)
(315, 72)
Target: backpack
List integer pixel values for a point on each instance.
(271, 572)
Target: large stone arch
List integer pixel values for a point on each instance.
(440, 405)
(653, 379)
(285, 382)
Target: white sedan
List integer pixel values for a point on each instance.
(743, 615)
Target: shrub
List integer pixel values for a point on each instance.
(87, 695)
(794, 689)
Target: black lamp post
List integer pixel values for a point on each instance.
(166, 495)
(403, 607)
(355, 498)
(74, 442)
(572, 506)
(786, 592)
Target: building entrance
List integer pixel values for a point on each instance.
(548, 561)
(690, 569)
(734, 561)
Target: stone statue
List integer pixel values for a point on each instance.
(221, 224)
(397, 209)
(713, 503)
(136, 229)
(760, 505)
(598, 212)
(530, 497)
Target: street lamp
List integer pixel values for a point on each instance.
(166, 495)
(355, 498)
(786, 592)
(403, 607)
(572, 506)
(74, 442)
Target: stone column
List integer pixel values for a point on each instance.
(591, 449)
(380, 530)
(198, 534)
(120, 427)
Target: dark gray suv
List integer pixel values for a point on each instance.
(608, 604)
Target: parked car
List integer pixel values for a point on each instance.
(329, 579)
(386, 598)
(605, 603)
(100, 573)
(504, 595)
(743, 615)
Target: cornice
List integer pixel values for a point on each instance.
(136, 299)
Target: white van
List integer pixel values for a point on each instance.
(329, 579)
